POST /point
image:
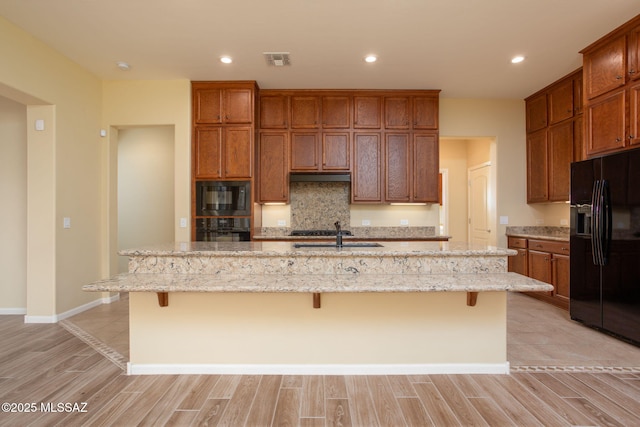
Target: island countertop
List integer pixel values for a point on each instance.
(387, 248)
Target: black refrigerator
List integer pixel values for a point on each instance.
(605, 244)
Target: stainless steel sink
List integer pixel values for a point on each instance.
(333, 245)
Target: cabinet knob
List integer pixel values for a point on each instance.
(631, 136)
(632, 72)
(618, 77)
(618, 139)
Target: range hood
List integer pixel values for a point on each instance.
(320, 177)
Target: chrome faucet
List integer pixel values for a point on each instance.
(338, 234)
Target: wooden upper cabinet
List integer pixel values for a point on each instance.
(561, 102)
(273, 172)
(304, 151)
(606, 123)
(397, 167)
(425, 112)
(397, 112)
(366, 112)
(222, 152)
(634, 114)
(537, 167)
(366, 175)
(305, 112)
(214, 104)
(633, 51)
(560, 139)
(207, 150)
(426, 167)
(336, 112)
(336, 151)
(274, 112)
(605, 67)
(536, 112)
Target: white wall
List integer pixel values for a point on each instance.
(13, 213)
(145, 187)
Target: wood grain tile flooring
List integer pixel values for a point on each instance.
(42, 365)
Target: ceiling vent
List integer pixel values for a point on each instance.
(277, 59)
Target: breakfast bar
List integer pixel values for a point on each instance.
(272, 307)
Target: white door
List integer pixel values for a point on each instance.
(479, 205)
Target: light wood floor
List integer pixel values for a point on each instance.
(558, 379)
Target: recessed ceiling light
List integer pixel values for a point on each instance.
(517, 59)
(370, 58)
(226, 59)
(123, 66)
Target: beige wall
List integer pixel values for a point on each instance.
(64, 170)
(145, 187)
(13, 214)
(145, 103)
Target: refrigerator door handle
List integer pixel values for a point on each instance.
(596, 222)
(607, 222)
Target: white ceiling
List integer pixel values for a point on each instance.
(462, 47)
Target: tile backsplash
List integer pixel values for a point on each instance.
(318, 205)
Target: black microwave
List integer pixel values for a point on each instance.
(223, 198)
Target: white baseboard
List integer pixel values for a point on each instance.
(12, 311)
(385, 369)
(58, 317)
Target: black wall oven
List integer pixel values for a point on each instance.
(223, 198)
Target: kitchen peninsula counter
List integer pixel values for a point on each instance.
(269, 307)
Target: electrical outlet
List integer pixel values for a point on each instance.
(504, 220)
(539, 221)
(183, 222)
(564, 222)
(66, 222)
(366, 222)
(282, 223)
(404, 222)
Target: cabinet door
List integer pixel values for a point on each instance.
(336, 151)
(561, 102)
(274, 111)
(537, 167)
(336, 112)
(606, 123)
(207, 106)
(237, 152)
(366, 112)
(397, 164)
(366, 168)
(304, 151)
(605, 68)
(560, 158)
(273, 176)
(426, 167)
(540, 266)
(536, 113)
(207, 157)
(396, 112)
(633, 49)
(578, 139)
(305, 112)
(634, 114)
(578, 99)
(238, 106)
(561, 273)
(425, 111)
(518, 263)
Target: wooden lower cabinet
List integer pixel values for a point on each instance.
(544, 260)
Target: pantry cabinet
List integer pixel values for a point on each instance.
(611, 82)
(366, 112)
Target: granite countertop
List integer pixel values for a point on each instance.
(404, 233)
(318, 283)
(560, 234)
(279, 249)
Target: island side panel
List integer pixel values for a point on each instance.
(282, 333)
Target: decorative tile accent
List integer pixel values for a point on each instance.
(114, 356)
(588, 369)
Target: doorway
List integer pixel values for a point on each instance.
(145, 187)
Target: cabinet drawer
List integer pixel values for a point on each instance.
(518, 242)
(549, 246)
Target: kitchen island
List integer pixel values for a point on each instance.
(269, 307)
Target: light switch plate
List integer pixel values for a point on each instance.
(66, 222)
(183, 222)
(404, 222)
(366, 222)
(504, 220)
(282, 223)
